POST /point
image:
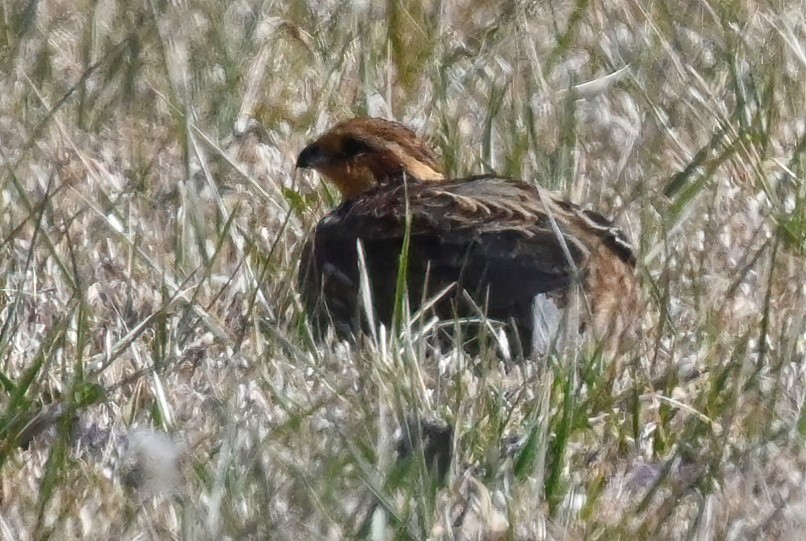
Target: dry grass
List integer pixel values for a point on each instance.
(151, 220)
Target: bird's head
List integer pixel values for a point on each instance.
(361, 153)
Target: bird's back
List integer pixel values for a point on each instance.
(498, 242)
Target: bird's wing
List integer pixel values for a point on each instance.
(500, 240)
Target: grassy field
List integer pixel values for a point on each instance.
(157, 376)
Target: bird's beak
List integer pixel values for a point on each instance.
(311, 156)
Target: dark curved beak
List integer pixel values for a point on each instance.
(311, 156)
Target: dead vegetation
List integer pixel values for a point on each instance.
(151, 221)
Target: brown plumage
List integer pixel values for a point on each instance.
(493, 242)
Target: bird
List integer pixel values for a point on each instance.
(485, 242)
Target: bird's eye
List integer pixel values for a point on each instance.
(353, 147)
